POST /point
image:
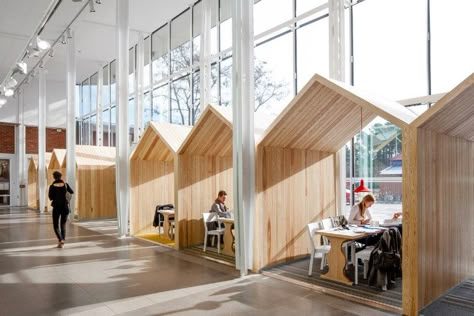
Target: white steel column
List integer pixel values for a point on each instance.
(122, 169)
(100, 85)
(42, 139)
(243, 105)
(70, 119)
(139, 72)
(205, 54)
(21, 152)
(337, 72)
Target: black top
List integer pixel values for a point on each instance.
(57, 193)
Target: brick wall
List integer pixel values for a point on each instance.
(7, 139)
(54, 139)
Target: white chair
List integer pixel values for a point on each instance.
(209, 218)
(363, 255)
(323, 249)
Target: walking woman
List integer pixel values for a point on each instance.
(57, 195)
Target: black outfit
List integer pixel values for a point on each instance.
(57, 195)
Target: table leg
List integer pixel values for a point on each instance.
(228, 240)
(166, 226)
(336, 262)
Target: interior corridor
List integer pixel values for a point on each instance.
(98, 274)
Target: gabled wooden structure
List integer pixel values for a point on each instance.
(152, 173)
(95, 195)
(55, 164)
(297, 165)
(204, 167)
(438, 198)
(33, 190)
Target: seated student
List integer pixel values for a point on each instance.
(360, 214)
(219, 205)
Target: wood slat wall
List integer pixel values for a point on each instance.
(95, 188)
(445, 213)
(151, 183)
(199, 180)
(294, 187)
(95, 194)
(33, 198)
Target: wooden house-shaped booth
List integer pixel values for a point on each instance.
(33, 190)
(297, 164)
(438, 198)
(94, 189)
(152, 173)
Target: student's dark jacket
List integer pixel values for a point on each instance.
(57, 194)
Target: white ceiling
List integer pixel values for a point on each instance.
(94, 36)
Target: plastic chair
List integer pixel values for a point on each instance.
(323, 249)
(363, 255)
(208, 218)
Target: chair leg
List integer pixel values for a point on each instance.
(219, 244)
(356, 270)
(323, 261)
(310, 271)
(205, 242)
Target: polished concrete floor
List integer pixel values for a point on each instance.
(98, 274)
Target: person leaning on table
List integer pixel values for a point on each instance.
(360, 213)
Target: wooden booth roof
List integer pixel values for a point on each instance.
(57, 158)
(90, 156)
(453, 114)
(160, 141)
(34, 160)
(211, 135)
(326, 114)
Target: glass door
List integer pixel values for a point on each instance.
(4, 182)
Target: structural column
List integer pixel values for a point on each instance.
(21, 151)
(337, 72)
(122, 145)
(243, 104)
(139, 71)
(42, 139)
(100, 85)
(70, 119)
(205, 55)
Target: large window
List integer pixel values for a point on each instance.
(270, 13)
(86, 97)
(113, 82)
(180, 41)
(378, 160)
(159, 53)
(273, 74)
(161, 104)
(390, 49)
(312, 51)
(93, 81)
(197, 20)
(106, 127)
(452, 47)
(182, 111)
(147, 67)
(106, 87)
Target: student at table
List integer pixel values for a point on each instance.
(360, 213)
(219, 205)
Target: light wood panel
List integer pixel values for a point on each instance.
(454, 114)
(152, 170)
(211, 135)
(95, 194)
(326, 114)
(33, 198)
(55, 164)
(294, 187)
(199, 180)
(438, 198)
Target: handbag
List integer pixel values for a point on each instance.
(68, 194)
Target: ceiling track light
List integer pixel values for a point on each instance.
(98, 1)
(63, 39)
(41, 64)
(69, 33)
(91, 6)
(51, 52)
(11, 83)
(9, 92)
